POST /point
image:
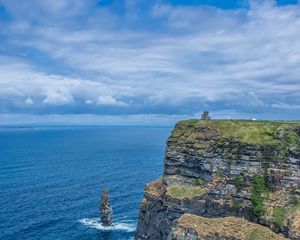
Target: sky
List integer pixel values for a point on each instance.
(148, 62)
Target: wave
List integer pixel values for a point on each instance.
(119, 226)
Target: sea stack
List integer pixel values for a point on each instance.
(105, 209)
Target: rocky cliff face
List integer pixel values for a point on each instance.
(226, 180)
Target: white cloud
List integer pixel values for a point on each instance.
(236, 54)
(29, 101)
(58, 97)
(19, 80)
(286, 106)
(173, 56)
(108, 100)
(89, 102)
(47, 11)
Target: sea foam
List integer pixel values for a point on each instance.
(118, 226)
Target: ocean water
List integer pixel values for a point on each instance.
(51, 179)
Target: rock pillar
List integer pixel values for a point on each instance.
(105, 209)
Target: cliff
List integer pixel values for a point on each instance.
(226, 180)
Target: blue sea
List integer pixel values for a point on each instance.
(51, 179)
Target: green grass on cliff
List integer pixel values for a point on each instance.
(224, 228)
(259, 194)
(279, 216)
(254, 132)
(181, 192)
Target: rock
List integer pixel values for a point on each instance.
(294, 225)
(212, 169)
(105, 209)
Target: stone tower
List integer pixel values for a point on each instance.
(205, 116)
(105, 209)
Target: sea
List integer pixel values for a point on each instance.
(51, 179)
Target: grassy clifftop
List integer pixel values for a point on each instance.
(253, 132)
(223, 228)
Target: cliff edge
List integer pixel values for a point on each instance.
(226, 180)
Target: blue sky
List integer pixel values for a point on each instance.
(148, 62)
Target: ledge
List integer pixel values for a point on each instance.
(185, 192)
(222, 228)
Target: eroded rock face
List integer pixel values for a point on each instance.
(105, 209)
(252, 174)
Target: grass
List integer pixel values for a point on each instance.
(254, 132)
(259, 194)
(255, 235)
(225, 228)
(239, 182)
(182, 192)
(250, 132)
(295, 202)
(198, 182)
(279, 216)
(236, 204)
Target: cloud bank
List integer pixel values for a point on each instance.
(127, 58)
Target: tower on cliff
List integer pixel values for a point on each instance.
(205, 116)
(105, 209)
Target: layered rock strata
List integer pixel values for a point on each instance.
(245, 170)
